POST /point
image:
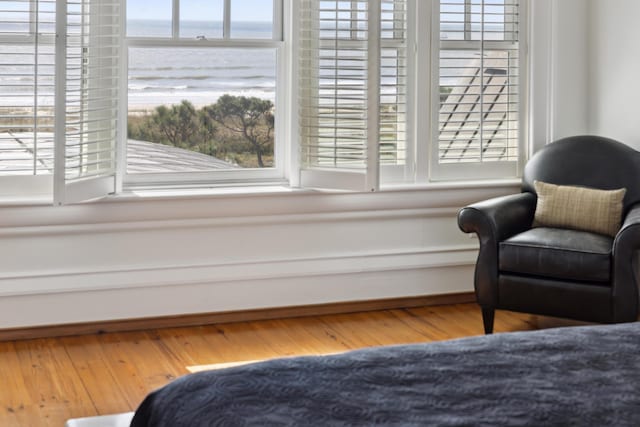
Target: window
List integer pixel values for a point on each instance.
(27, 66)
(353, 71)
(480, 96)
(203, 84)
(359, 91)
(59, 83)
(386, 91)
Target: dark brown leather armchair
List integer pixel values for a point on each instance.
(560, 272)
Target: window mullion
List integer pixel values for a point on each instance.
(373, 95)
(467, 19)
(482, 90)
(277, 20)
(60, 98)
(175, 19)
(226, 25)
(34, 12)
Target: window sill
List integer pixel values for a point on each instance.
(455, 185)
(276, 189)
(269, 190)
(191, 192)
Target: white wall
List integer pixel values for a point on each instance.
(559, 78)
(570, 65)
(615, 69)
(120, 259)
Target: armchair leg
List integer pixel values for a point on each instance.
(487, 318)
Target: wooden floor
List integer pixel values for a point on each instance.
(47, 381)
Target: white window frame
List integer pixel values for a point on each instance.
(475, 171)
(282, 136)
(84, 132)
(33, 184)
(421, 110)
(364, 174)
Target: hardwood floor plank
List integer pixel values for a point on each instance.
(54, 389)
(14, 396)
(47, 381)
(90, 362)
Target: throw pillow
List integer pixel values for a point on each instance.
(578, 208)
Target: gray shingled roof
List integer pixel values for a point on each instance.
(17, 156)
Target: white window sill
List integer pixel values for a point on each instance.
(189, 192)
(168, 193)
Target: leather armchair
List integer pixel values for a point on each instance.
(560, 272)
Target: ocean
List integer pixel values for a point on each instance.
(200, 75)
(168, 75)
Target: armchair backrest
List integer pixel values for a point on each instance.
(589, 161)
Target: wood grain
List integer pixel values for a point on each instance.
(47, 381)
(11, 334)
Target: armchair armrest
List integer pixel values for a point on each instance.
(498, 218)
(494, 220)
(625, 253)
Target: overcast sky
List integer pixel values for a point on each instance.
(205, 10)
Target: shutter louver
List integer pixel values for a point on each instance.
(27, 68)
(352, 91)
(479, 82)
(89, 101)
(393, 83)
(334, 73)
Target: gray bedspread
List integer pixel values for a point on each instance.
(577, 376)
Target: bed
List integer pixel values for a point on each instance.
(572, 376)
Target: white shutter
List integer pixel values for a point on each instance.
(395, 157)
(479, 106)
(339, 93)
(87, 99)
(27, 40)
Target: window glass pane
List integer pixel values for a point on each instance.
(149, 18)
(185, 108)
(252, 19)
(479, 87)
(201, 18)
(14, 17)
(26, 89)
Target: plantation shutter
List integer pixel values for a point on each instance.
(27, 38)
(339, 92)
(479, 105)
(88, 85)
(395, 157)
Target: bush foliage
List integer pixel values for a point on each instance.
(237, 129)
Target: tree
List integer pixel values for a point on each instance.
(178, 123)
(252, 118)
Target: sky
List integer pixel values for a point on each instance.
(241, 10)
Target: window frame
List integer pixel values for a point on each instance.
(369, 172)
(422, 97)
(439, 172)
(279, 42)
(33, 184)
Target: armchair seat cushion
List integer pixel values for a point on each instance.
(559, 254)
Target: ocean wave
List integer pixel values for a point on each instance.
(199, 88)
(222, 79)
(152, 78)
(150, 100)
(193, 68)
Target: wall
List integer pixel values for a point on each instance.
(570, 68)
(559, 77)
(145, 257)
(615, 69)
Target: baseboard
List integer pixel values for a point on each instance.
(231, 316)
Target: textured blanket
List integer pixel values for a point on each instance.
(578, 376)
